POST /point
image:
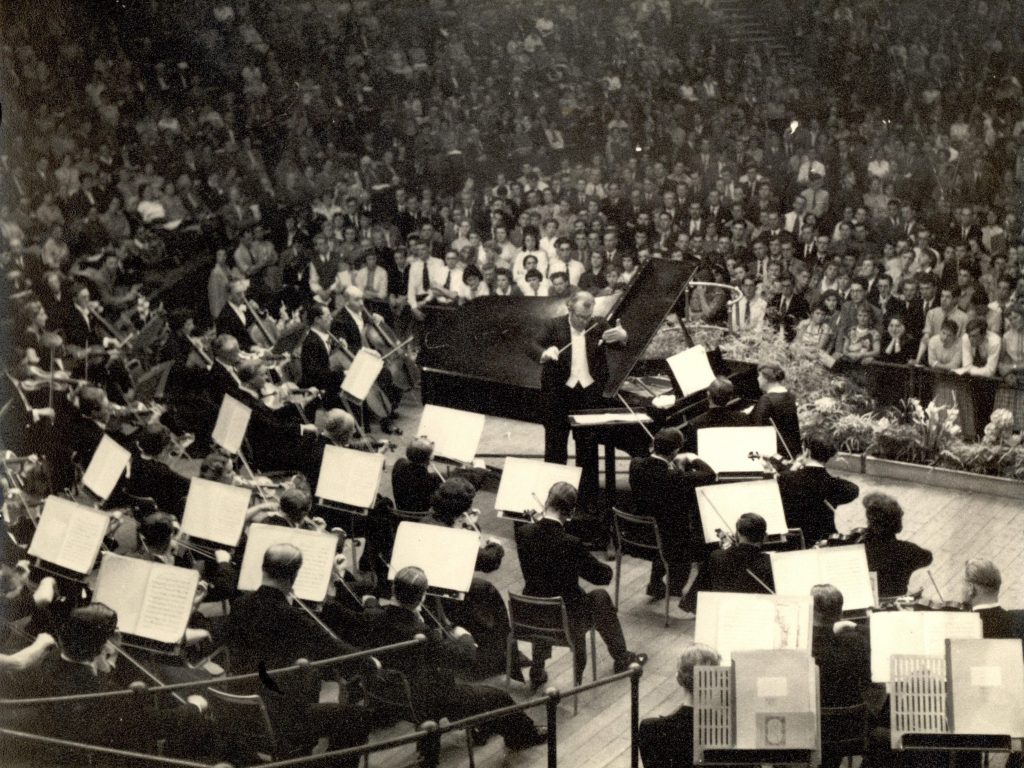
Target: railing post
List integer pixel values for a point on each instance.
(554, 696)
(635, 670)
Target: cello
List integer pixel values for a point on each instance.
(341, 359)
(399, 360)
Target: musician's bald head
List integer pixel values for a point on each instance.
(281, 563)
(251, 372)
(410, 587)
(339, 426)
(92, 402)
(420, 451)
(581, 307)
(353, 292)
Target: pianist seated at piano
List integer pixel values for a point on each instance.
(572, 353)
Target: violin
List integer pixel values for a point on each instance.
(726, 539)
(855, 536)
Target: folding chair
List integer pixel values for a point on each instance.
(844, 733)
(544, 620)
(639, 533)
(245, 717)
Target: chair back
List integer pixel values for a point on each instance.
(410, 516)
(636, 531)
(245, 718)
(539, 619)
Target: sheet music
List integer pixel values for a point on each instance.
(318, 550)
(735, 621)
(726, 449)
(455, 434)
(232, 422)
(69, 535)
(106, 466)
(845, 568)
(215, 511)
(350, 477)
(525, 483)
(733, 499)
(446, 555)
(691, 370)
(362, 374)
(152, 600)
(916, 633)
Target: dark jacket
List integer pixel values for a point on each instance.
(667, 742)
(228, 322)
(997, 623)
(553, 562)
(413, 485)
(663, 491)
(727, 570)
(715, 416)
(806, 496)
(894, 560)
(149, 477)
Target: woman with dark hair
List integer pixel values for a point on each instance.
(814, 333)
(896, 347)
(892, 559)
(777, 408)
(594, 278)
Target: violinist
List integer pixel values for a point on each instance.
(662, 486)
(86, 664)
(265, 627)
(777, 406)
(275, 437)
(431, 670)
(80, 329)
(982, 582)
(483, 611)
(741, 567)
(413, 482)
(151, 477)
(222, 378)
(810, 493)
(892, 559)
(234, 319)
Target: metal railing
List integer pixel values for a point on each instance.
(550, 699)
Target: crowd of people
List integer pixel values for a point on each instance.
(185, 185)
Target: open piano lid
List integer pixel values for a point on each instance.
(490, 338)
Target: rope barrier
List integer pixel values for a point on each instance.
(140, 688)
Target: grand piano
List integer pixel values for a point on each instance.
(477, 358)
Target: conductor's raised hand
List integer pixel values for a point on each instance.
(615, 335)
(549, 354)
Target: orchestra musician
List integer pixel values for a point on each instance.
(317, 349)
(234, 319)
(741, 567)
(431, 670)
(151, 477)
(810, 493)
(662, 486)
(892, 559)
(982, 582)
(777, 407)
(266, 628)
(553, 562)
(413, 481)
(573, 376)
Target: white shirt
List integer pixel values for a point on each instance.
(579, 368)
(357, 318)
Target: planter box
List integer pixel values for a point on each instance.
(943, 478)
(847, 462)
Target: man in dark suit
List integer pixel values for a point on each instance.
(553, 562)
(982, 582)
(222, 379)
(789, 307)
(317, 348)
(662, 486)
(278, 440)
(667, 742)
(234, 319)
(265, 628)
(574, 371)
(83, 666)
(149, 476)
(810, 494)
(718, 414)
(431, 668)
(743, 567)
(78, 326)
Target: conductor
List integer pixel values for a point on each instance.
(573, 377)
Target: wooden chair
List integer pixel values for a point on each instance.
(544, 620)
(639, 533)
(388, 691)
(844, 732)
